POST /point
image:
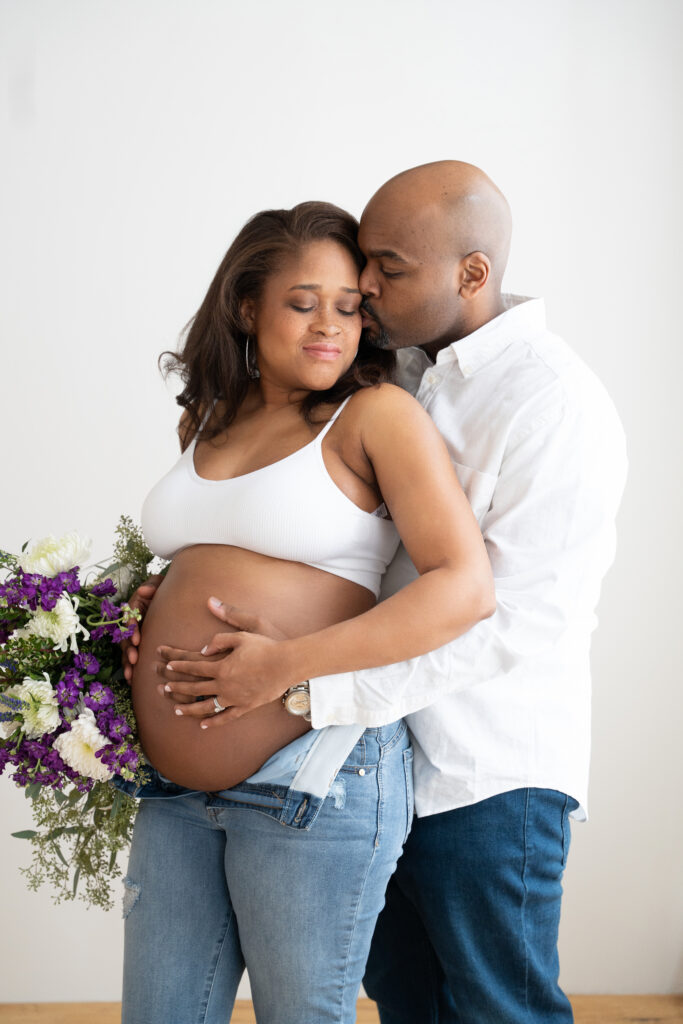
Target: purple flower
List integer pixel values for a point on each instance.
(110, 610)
(106, 587)
(98, 697)
(68, 690)
(118, 758)
(118, 728)
(70, 580)
(130, 758)
(120, 633)
(12, 591)
(87, 663)
(30, 589)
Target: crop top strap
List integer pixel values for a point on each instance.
(331, 420)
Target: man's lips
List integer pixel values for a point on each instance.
(322, 351)
(367, 316)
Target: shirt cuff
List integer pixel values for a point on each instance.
(354, 698)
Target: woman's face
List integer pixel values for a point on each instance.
(307, 323)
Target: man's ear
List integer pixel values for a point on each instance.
(248, 314)
(475, 270)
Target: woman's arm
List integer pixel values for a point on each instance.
(453, 592)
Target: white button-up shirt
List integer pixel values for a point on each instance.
(540, 452)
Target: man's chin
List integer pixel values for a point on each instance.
(376, 336)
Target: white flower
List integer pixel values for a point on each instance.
(42, 713)
(61, 625)
(52, 555)
(78, 747)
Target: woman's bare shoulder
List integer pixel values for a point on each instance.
(386, 402)
(388, 419)
(380, 397)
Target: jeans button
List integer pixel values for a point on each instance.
(361, 771)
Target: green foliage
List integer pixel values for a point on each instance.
(78, 838)
(130, 550)
(8, 561)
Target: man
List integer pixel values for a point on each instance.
(500, 717)
(469, 932)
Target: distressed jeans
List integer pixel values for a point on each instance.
(261, 876)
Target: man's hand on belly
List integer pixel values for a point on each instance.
(250, 654)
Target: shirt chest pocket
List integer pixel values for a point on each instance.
(478, 486)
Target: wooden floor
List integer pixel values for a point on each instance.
(587, 1010)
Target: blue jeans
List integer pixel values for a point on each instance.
(469, 931)
(261, 876)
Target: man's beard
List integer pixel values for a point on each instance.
(379, 340)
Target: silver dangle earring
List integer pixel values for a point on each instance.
(252, 371)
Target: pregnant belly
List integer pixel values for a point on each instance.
(294, 597)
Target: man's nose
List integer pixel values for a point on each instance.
(367, 283)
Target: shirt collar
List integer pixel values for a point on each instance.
(522, 319)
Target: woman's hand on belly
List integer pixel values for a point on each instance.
(189, 676)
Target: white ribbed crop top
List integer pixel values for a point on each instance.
(291, 509)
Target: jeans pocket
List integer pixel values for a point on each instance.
(410, 792)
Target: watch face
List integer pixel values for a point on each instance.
(298, 703)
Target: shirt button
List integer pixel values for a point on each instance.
(361, 771)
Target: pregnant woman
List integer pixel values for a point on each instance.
(264, 843)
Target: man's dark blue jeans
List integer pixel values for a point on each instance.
(469, 931)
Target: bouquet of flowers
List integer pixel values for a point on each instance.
(66, 718)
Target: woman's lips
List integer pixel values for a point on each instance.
(325, 352)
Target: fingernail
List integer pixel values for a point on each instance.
(215, 602)
(178, 711)
(203, 725)
(205, 648)
(170, 668)
(167, 688)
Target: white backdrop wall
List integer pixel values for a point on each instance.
(138, 136)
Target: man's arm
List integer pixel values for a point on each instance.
(550, 537)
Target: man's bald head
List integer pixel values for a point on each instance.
(437, 239)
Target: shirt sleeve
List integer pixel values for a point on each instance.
(550, 536)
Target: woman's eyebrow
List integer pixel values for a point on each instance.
(316, 287)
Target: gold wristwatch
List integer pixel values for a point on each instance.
(297, 700)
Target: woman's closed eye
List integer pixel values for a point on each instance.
(309, 309)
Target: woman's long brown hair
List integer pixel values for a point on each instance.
(212, 363)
